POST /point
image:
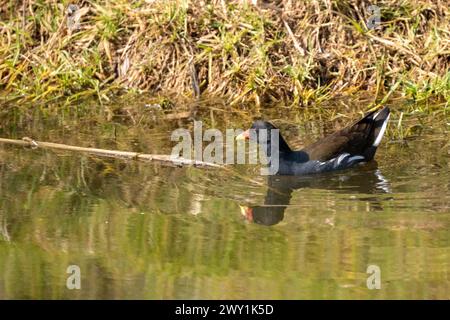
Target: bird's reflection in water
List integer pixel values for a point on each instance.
(364, 180)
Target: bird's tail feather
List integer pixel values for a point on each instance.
(380, 120)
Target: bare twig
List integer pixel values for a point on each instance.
(157, 158)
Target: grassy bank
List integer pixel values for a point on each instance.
(300, 52)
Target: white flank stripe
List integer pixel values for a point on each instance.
(356, 158)
(382, 130)
(341, 157)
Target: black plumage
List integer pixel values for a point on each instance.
(340, 150)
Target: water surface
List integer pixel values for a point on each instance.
(139, 230)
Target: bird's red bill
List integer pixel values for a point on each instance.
(244, 135)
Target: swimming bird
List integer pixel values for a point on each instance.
(342, 149)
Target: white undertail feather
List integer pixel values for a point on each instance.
(376, 114)
(382, 130)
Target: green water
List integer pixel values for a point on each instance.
(140, 230)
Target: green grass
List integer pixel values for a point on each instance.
(300, 53)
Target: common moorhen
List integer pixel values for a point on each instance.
(343, 149)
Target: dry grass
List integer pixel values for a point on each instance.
(300, 52)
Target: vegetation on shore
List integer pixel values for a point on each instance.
(299, 52)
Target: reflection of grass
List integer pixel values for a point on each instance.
(134, 115)
(296, 51)
(132, 234)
